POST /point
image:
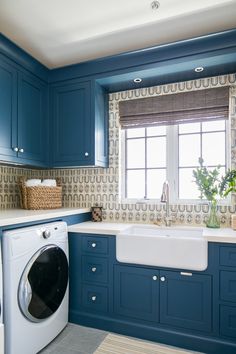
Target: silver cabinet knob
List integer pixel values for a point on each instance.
(21, 150)
(46, 234)
(94, 269)
(93, 298)
(86, 154)
(15, 149)
(154, 277)
(163, 278)
(94, 244)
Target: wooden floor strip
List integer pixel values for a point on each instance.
(115, 344)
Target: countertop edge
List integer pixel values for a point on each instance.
(20, 216)
(113, 229)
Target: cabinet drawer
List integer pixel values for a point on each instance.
(228, 286)
(228, 321)
(94, 269)
(228, 256)
(95, 298)
(95, 244)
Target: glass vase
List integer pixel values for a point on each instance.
(213, 221)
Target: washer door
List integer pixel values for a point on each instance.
(43, 283)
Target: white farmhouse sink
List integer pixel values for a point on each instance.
(183, 248)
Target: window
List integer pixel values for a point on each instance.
(154, 154)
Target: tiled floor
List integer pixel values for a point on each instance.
(76, 339)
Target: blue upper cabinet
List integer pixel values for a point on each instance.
(23, 116)
(79, 124)
(32, 119)
(8, 110)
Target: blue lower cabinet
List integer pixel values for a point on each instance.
(95, 244)
(94, 269)
(192, 310)
(136, 293)
(228, 321)
(228, 286)
(228, 256)
(186, 300)
(95, 298)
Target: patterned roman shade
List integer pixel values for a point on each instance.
(186, 107)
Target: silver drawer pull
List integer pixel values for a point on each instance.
(21, 150)
(16, 149)
(154, 277)
(94, 244)
(186, 273)
(94, 298)
(162, 278)
(94, 269)
(86, 154)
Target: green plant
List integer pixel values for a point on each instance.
(211, 185)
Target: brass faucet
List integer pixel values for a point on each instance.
(165, 198)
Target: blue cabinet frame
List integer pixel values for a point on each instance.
(172, 306)
(80, 124)
(8, 110)
(186, 300)
(23, 116)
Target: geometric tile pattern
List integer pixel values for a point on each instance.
(85, 187)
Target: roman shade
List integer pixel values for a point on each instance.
(185, 107)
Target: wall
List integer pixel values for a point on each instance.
(85, 187)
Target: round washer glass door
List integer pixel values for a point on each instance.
(43, 283)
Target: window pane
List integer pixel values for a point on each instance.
(156, 152)
(135, 133)
(213, 126)
(189, 150)
(155, 131)
(155, 180)
(136, 153)
(136, 184)
(187, 186)
(213, 149)
(189, 128)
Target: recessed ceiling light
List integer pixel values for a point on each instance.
(199, 69)
(155, 5)
(137, 80)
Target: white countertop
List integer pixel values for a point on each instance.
(109, 228)
(19, 216)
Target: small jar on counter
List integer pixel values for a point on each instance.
(96, 213)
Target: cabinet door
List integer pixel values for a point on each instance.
(32, 118)
(8, 110)
(185, 300)
(136, 293)
(73, 143)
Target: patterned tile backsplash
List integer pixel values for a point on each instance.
(83, 187)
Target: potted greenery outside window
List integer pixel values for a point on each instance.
(213, 187)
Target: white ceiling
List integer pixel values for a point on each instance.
(60, 32)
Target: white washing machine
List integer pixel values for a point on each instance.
(35, 278)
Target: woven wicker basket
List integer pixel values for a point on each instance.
(36, 198)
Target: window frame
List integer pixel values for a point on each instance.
(172, 168)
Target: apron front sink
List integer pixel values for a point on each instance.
(181, 248)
